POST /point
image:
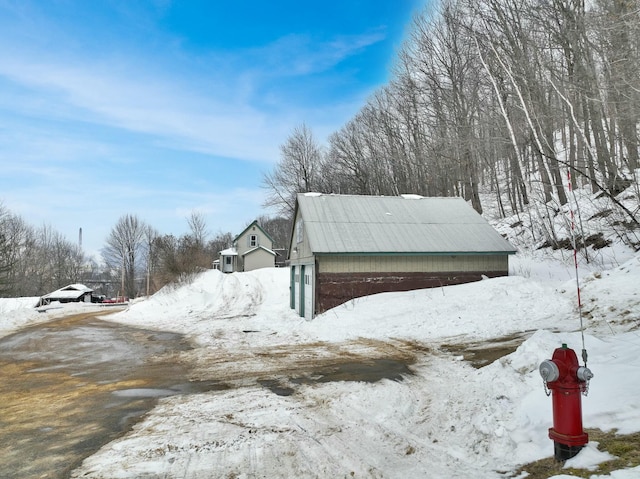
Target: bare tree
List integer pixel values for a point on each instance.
(6, 259)
(198, 227)
(35, 261)
(17, 243)
(279, 229)
(296, 172)
(150, 258)
(124, 249)
(167, 267)
(219, 243)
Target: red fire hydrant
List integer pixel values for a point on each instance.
(567, 381)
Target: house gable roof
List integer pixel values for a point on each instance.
(410, 224)
(255, 223)
(257, 248)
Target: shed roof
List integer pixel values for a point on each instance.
(410, 224)
(271, 252)
(72, 291)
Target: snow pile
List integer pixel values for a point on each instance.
(466, 311)
(612, 298)
(10, 305)
(215, 304)
(16, 313)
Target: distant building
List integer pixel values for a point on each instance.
(77, 293)
(281, 257)
(347, 246)
(251, 249)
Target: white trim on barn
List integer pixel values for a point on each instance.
(308, 289)
(302, 289)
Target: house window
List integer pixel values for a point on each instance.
(253, 240)
(227, 260)
(299, 231)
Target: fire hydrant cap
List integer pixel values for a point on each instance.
(549, 371)
(584, 374)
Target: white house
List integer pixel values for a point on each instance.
(251, 249)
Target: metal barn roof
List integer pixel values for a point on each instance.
(410, 224)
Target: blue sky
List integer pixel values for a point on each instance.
(160, 108)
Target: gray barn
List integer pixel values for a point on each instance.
(347, 246)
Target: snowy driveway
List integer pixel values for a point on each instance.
(72, 385)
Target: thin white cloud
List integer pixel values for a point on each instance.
(178, 111)
(133, 101)
(295, 54)
(220, 123)
(24, 146)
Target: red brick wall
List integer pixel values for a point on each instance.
(333, 289)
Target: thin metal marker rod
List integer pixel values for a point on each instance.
(575, 262)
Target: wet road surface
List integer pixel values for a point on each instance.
(70, 386)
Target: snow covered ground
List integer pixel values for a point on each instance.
(446, 420)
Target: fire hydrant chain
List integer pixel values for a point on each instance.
(584, 374)
(546, 389)
(585, 390)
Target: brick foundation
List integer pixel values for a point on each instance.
(333, 289)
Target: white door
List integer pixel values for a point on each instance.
(308, 292)
(296, 288)
(227, 264)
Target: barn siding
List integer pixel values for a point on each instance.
(412, 264)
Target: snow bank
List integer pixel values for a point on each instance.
(16, 313)
(487, 309)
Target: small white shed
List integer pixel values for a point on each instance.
(69, 294)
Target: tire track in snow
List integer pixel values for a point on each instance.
(240, 296)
